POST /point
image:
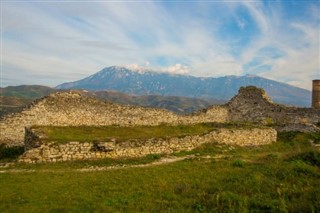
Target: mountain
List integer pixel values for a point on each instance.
(15, 98)
(156, 83)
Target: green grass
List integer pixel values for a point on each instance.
(280, 177)
(106, 133)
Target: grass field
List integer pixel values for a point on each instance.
(280, 177)
(104, 133)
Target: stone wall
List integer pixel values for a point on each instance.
(219, 114)
(38, 151)
(253, 105)
(73, 109)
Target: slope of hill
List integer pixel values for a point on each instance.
(155, 83)
(14, 98)
(180, 105)
(26, 91)
(11, 100)
(12, 104)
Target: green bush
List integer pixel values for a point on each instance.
(10, 152)
(311, 158)
(315, 137)
(153, 156)
(238, 163)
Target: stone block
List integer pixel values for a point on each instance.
(74, 143)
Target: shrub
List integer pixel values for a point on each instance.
(238, 163)
(153, 156)
(272, 156)
(315, 137)
(10, 152)
(311, 157)
(268, 121)
(298, 138)
(198, 207)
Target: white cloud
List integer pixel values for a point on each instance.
(240, 22)
(256, 10)
(133, 67)
(301, 64)
(176, 69)
(65, 41)
(298, 41)
(173, 69)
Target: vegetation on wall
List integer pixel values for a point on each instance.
(63, 134)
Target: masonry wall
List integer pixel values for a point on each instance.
(316, 94)
(253, 105)
(73, 109)
(51, 152)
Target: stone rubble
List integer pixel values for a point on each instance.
(54, 152)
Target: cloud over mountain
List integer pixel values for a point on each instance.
(51, 42)
(148, 82)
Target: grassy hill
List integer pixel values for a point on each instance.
(180, 105)
(26, 91)
(14, 98)
(280, 177)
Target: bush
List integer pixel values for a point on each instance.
(153, 156)
(10, 152)
(315, 137)
(268, 121)
(311, 157)
(238, 163)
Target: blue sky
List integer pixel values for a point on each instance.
(51, 42)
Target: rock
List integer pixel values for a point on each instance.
(62, 152)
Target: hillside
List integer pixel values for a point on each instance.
(156, 83)
(14, 98)
(180, 105)
(26, 91)
(12, 104)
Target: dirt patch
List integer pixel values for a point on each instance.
(162, 161)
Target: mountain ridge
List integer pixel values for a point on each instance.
(149, 82)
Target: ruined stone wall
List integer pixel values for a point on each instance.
(253, 105)
(219, 114)
(74, 109)
(51, 152)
